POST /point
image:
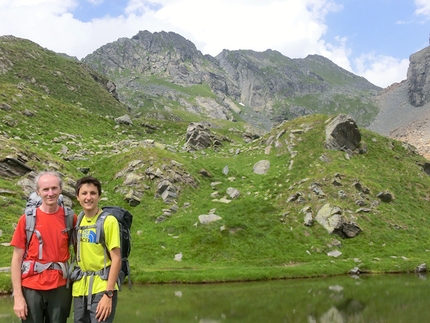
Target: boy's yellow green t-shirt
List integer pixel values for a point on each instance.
(92, 255)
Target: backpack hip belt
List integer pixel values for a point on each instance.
(32, 267)
(78, 274)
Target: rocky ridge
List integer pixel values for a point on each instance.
(159, 71)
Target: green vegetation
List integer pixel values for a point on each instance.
(261, 234)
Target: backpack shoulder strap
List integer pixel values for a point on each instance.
(100, 231)
(30, 224)
(69, 216)
(78, 229)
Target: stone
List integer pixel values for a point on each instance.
(208, 218)
(342, 134)
(261, 167)
(125, 119)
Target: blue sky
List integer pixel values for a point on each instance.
(381, 26)
(371, 38)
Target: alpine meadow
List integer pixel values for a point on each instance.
(218, 220)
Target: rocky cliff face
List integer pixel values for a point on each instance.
(165, 72)
(404, 108)
(418, 78)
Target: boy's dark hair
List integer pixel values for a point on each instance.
(88, 180)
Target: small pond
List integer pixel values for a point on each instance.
(367, 299)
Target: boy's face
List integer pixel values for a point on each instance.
(88, 197)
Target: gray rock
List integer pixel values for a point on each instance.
(12, 167)
(208, 218)
(133, 197)
(385, 196)
(418, 78)
(421, 268)
(225, 170)
(331, 218)
(308, 219)
(261, 167)
(334, 253)
(198, 136)
(233, 193)
(342, 134)
(125, 119)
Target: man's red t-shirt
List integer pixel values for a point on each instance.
(55, 248)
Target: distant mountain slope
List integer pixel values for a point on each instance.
(164, 74)
(404, 108)
(394, 109)
(45, 72)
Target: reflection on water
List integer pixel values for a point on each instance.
(364, 299)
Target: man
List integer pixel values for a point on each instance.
(95, 288)
(39, 272)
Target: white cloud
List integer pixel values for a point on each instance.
(423, 8)
(289, 26)
(294, 28)
(381, 70)
(338, 54)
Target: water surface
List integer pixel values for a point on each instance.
(344, 299)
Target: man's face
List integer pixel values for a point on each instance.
(88, 197)
(49, 189)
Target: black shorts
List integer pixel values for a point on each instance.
(48, 305)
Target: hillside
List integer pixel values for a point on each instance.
(55, 115)
(404, 107)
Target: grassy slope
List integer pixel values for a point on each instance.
(264, 236)
(256, 243)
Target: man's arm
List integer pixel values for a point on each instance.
(19, 303)
(104, 307)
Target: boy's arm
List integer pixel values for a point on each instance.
(104, 307)
(115, 256)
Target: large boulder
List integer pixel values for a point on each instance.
(418, 78)
(125, 119)
(261, 167)
(198, 136)
(333, 220)
(12, 167)
(342, 134)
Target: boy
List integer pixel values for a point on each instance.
(94, 288)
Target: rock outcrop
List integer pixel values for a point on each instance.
(342, 134)
(418, 77)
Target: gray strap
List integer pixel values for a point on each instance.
(25, 267)
(78, 247)
(39, 237)
(39, 267)
(30, 223)
(104, 274)
(64, 268)
(90, 292)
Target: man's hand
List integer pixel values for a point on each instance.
(19, 304)
(20, 307)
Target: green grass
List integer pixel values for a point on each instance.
(261, 235)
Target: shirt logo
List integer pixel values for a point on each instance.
(88, 236)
